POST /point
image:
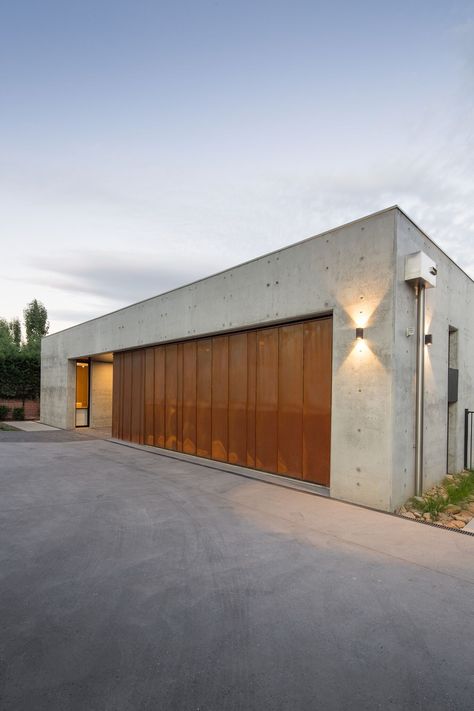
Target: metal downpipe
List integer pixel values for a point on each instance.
(420, 388)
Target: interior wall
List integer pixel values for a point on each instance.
(101, 394)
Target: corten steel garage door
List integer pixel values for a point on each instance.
(259, 398)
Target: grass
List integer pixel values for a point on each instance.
(459, 488)
(8, 428)
(432, 504)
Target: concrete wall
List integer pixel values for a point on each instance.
(100, 413)
(58, 382)
(348, 272)
(450, 304)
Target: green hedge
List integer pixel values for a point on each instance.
(20, 376)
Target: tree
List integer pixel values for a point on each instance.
(7, 344)
(20, 375)
(36, 324)
(20, 363)
(15, 330)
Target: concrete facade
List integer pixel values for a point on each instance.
(356, 273)
(449, 306)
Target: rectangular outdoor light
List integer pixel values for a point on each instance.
(428, 339)
(359, 333)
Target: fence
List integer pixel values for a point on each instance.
(32, 408)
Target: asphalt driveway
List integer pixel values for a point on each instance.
(134, 581)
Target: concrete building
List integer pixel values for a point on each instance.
(302, 363)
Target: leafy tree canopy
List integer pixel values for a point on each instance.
(20, 362)
(36, 324)
(20, 375)
(8, 345)
(15, 330)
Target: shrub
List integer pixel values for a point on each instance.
(3, 412)
(20, 376)
(432, 504)
(18, 413)
(460, 487)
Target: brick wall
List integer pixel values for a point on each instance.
(32, 408)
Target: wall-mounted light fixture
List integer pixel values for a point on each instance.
(359, 333)
(428, 339)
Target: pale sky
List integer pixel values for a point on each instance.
(145, 144)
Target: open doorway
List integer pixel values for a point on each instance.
(93, 401)
(82, 392)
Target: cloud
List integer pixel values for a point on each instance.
(119, 278)
(73, 315)
(143, 226)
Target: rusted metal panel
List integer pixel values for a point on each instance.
(251, 395)
(127, 397)
(189, 396)
(204, 402)
(159, 399)
(317, 401)
(290, 400)
(266, 423)
(237, 415)
(260, 398)
(116, 399)
(220, 397)
(137, 397)
(149, 396)
(171, 394)
(121, 396)
(179, 405)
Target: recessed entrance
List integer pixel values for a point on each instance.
(93, 400)
(82, 393)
